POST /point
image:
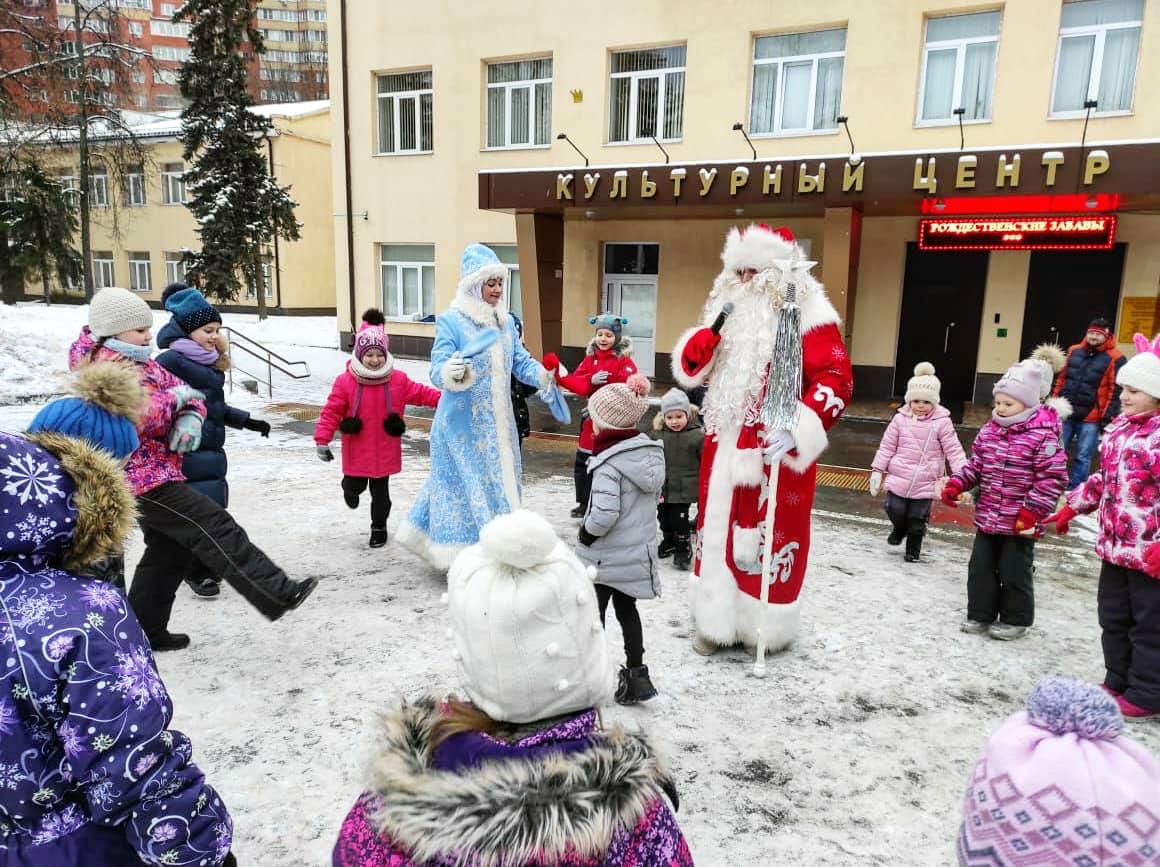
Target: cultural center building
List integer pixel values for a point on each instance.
(972, 180)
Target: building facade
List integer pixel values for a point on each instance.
(972, 179)
(140, 225)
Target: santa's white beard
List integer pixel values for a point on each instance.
(733, 395)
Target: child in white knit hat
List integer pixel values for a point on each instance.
(1126, 491)
(522, 772)
(618, 533)
(917, 446)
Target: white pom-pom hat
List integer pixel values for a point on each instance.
(924, 385)
(1142, 370)
(525, 623)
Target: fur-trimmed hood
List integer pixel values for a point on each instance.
(531, 810)
(101, 509)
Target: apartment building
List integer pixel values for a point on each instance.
(140, 225)
(972, 179)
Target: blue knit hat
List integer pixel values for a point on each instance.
(190, 310)
(478, 265)
(108, 400)
(613, 323)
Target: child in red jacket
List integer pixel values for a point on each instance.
(608, 360)
(366, 405)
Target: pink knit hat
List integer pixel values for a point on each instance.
(1059, 783)
(370, 337)
(621, 404)
(1022, 381)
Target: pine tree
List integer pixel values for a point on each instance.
(37, 225)
(238, 205)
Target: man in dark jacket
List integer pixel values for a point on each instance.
(1088, 381)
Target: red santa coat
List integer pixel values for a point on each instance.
(616, 362)
(726, 588)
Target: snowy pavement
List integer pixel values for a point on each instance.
(855, 749)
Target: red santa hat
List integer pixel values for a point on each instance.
(758, 247)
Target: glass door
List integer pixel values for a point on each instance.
(635, 298)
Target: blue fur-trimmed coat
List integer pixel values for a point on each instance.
(475, 451)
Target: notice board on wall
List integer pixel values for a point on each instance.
(1139, 315)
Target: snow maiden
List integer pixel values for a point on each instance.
(475, 451)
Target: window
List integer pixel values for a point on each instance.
(797, 82)
(67, 182)
(408, 275)
(168, 10)
(134, 180)
(1096, 58)
(136, 29)
(647, 94)
(519, 104)
(139, 279)
(174, 268)
(267, 283)
(99, 190)
(509, 255)
(405, 113)
(103, 269)
(173, 183)
(168, 52)
(168, 28)
(165, 76)
(959, 67)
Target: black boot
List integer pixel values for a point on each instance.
(169, 641)
(896, 535)
(913, 546)
(378, 537)
(682, 554)
(634, 686)
(579, 511)
(351, 500)
(204, 588)
(667, 546)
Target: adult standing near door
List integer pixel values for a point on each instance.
(475, 448)
(1088, 381)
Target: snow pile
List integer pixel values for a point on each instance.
(32, 356)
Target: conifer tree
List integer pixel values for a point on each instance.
(237, 203)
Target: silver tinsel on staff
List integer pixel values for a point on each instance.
(783, 386)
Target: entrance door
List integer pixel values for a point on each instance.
(1066, 290)
(942, 310)
(635, 298)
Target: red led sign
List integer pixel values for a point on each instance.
(1050, 232)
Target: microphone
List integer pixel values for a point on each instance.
(719, 322)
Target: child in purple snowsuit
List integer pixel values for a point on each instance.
(91, 775)
(916, 448)
(1021, 470)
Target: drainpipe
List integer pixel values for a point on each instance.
(346, 165)
(277, 260)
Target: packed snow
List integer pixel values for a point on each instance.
(854, 750)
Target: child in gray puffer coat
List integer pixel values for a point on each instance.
(619, 532)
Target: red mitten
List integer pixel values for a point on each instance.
(951, 492)
(1025, 521)
(551, 362)
(1152, 560)
(1061, 520)
(699, 350)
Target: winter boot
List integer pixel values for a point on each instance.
(913, 547)
(634, 686)
(1006, 631)
(682, 554)
(169, 641)
(703, 646)
(667, 546)
(351, 500)
(204, 588)
(1128, 709)
(378, 537)
(579, 511)
(897, 534)
(973, 627)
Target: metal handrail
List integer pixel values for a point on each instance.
(263, 354)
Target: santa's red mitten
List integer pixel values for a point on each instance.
(1061, 519)
(699, 350)
(951, 492)
(1025, 521)
(1152, 560)
(551, 362)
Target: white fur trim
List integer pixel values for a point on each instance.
(682, 379)
(477, 278)
(479, 311)
(746, 545)
(451, 385)
(809, 438)
(1061, 405)
(748, 468)
(817, 310)
(419, 544)
(505, 423)
(754, 248)
(781, 623)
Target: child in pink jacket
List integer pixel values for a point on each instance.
(918, 444)
(1126, 490)
(1021, 469)
(366, 405)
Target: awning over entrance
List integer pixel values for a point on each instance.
(1015, 179)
